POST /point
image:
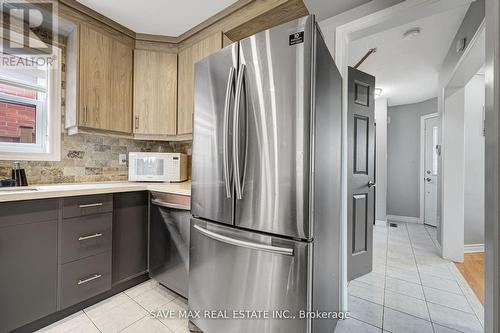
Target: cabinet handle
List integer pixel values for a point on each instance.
(85, 114)
(137, 122)
(92, 278)
(91, 205)
(81, 238)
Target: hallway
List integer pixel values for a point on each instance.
(411, 289)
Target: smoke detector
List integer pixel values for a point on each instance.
(413, 32)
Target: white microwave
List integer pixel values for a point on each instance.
(157, 167)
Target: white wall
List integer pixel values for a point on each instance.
(381, 160)
(474, 161)
(455, 73)
(453, 156)
(329, 26)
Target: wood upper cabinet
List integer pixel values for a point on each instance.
(95, 78)
(188, 57)
(155, 93)
(120, 115)
(113, 88)
(99, 81)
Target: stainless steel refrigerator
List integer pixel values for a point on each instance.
(266, 183)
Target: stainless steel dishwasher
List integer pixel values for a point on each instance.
(169, 240)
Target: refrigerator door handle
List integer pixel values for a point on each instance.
(241, 243)
(225, 153)
(236, 139)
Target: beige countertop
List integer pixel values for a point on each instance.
(69, 190)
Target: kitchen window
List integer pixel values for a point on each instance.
(30, 108)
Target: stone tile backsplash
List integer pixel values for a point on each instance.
(89, 158)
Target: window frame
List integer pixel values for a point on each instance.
(40, 124)
(48, 120)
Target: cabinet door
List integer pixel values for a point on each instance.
(130, 235)
(120, 111)
(28, 261)
(188, 57)
(155, 93)
(95, 76)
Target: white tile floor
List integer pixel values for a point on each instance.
(411, 289)
(128, 311)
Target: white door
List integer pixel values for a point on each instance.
(430, 177)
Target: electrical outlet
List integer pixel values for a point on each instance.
(122, 159)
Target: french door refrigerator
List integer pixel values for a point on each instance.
(266, 184)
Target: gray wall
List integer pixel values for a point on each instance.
(403, 157)
(474, 161)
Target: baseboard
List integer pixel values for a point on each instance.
(381, 223)
(406, 219)
(473, 248)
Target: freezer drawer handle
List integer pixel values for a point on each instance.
(82, 238)
(169, 205)
(241, 243)
(229, 89)
(92, 278)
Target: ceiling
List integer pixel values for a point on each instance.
(324, 9)
(407, 68)
(158, 17)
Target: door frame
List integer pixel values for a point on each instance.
(492, 158)
(379, 12)
(422, 162)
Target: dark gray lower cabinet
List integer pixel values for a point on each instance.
(28, 261)
(85, 278)
(85, 236)
(87, 205)
(130, 235)
(56, 253)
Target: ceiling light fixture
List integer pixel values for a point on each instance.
(413, 32)
(378, 92)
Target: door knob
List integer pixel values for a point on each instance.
(428, 179)
(371, 183)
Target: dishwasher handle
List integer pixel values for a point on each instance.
(169, 205)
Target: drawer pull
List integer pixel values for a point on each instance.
(81, 238)
(91, 205)
(94, 277)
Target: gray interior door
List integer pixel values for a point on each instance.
(361, 173)
(212, 187)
